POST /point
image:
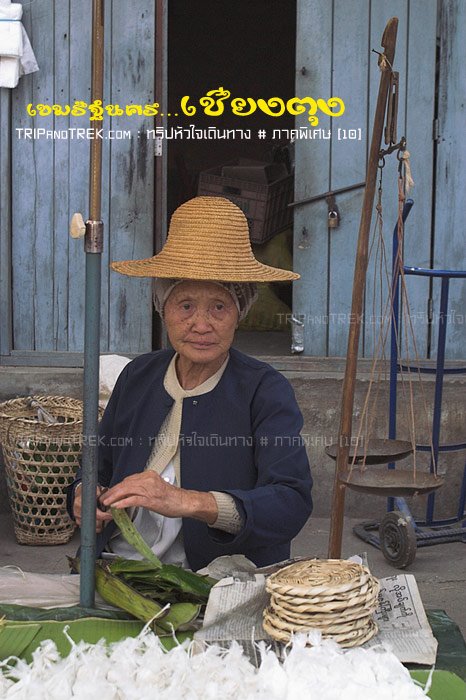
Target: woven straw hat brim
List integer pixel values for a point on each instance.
(163, 265)
(208, 240)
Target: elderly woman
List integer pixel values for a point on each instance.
(202, 441)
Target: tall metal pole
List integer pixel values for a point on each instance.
(359, 282)
(93, 244)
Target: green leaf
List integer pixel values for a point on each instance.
(186, 581)
(132, 536)
(171, 641)
(131, 566)
(118, 593)
(15, 638)
(26, 613)
(21, 639)
(445, 685)
(90, 630)
(144, 575)
(181, 615)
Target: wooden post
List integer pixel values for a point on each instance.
(359, 282)
(93, 244)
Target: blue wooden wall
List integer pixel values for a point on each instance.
(449, 242)
(48, 181)
(335, 38)
(43, 182)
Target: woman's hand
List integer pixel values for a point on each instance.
(100, 516)
(149, 490)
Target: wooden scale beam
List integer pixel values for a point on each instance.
(388, 482)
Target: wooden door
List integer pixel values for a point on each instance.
(449, 230)
(44, 180)
(334, 58)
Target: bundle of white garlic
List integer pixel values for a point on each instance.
(140, 669)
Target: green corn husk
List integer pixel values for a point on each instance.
(153, 578)
(132, 536)
(151, 582)
(186, 581)
(160, 582)
(119, 594)
(116, 592)
(132, 567)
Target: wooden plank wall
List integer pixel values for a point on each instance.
(450, 228)
(42, 182)
(5, 224)
(311, 256)
(49, 180)
(420, 106)
(335, 41)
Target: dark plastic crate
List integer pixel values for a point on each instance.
(264, 205)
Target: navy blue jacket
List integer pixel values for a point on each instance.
(242, 438)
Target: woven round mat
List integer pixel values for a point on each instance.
(334, 596)
(349, 639)
(328, 627)
(323, 618)
(356, 598)
(318, 577)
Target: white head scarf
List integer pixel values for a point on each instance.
(244, 294)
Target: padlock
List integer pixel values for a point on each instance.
(333, 219)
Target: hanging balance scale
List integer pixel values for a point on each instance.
(356, 456)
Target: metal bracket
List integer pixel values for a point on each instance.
(94, 238)
(392, 108)
(400, 146)
(330, 193)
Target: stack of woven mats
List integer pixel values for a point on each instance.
(335, 596)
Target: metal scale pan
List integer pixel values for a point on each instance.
(375, 451)
(391, 482)
(386, 482)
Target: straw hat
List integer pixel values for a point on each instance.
(208, 239)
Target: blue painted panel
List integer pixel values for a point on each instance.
(420, 101)
(50, 180)
(24, 175)
(132, 176)
(78, 166)
(60, 223)
(348, 160)
(350, 30)
(450, 237)
(312, 177)
(377, 312)
(5, 223)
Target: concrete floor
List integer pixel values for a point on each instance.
(440, 570)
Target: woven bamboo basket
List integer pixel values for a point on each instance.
(41, 460)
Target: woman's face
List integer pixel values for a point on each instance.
(201, 318)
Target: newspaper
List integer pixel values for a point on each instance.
(402, 621)
(236, 604)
